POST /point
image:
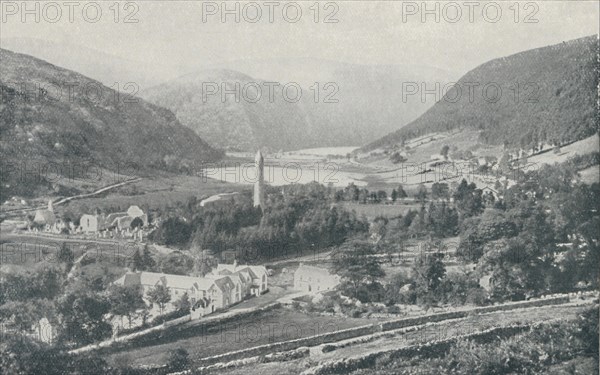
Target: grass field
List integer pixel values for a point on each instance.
(156, 193)
(438, 331)
(268, 327)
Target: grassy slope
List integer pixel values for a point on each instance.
(447, 329)
(271, 326)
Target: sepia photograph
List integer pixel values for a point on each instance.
(306, 187)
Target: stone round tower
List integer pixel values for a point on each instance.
(259, 185)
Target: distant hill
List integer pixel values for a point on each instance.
(98, 65)
(368, 104)
(105, 131)
(369, 97)
(556, 102)
(236, 123)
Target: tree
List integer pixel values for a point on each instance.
(173, 231)
(21, 354)
(183, 303)
(160, 295)
(397, 158)
(468, 199)
(444, 151)
(359, 269)
(25, 315)
(82, 317)
(137, 263)
(147, 259)
(428, 272)
(66, 256)
(401, 192)
(421, 194)
(178, 359)
(125, 301)
(440, 190)
(136, 223)
(394, 195)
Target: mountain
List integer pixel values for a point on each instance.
(354, 103)
(243, 121)
(104, 67)
(42, 120)
(548, 95)
(369, 97)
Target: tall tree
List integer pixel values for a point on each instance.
(358, 267)
(394, 195)
(125, 301)
(66, 256)
(401, 192)
(147, 260)
(137, 263)
(82, 317)
(468, 199)
(160, 295)
(421, 194)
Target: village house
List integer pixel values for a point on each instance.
(215, 291)
(120, 220)
(45, 217)
(254, 278)
(314, 279)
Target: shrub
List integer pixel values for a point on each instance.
(178, 359)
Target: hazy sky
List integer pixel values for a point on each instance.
(373, 32)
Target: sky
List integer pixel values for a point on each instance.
(366, 32)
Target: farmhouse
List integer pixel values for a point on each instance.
(314, 279)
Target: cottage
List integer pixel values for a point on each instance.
(197, 288)
(314, 279)
(217, 290)
(254, 278)
(45, 217)
(89, 223)
(119, 220)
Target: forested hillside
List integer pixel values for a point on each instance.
(545, 95)
(50, 114)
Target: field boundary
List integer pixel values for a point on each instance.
(367, 330)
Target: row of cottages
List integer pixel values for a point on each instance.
(314, 279)
(119, 220)
(254, 278)
(206, 294)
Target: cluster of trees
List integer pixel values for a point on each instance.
(352, 193)
(542, 237)
(300, 218)
(358, 262)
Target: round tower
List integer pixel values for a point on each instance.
(259, 185)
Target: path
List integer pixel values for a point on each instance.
(78, 196)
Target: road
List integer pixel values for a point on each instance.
(78, 196)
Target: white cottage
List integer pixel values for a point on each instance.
(314, 279)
